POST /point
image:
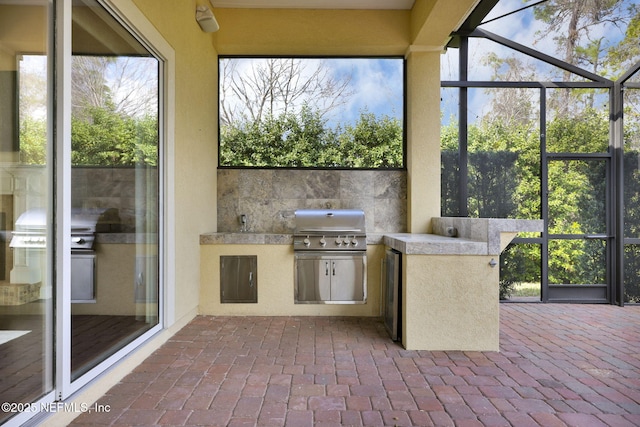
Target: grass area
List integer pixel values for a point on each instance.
(526, 290)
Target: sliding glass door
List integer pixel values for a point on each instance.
(114, 186)
(26, 256)
(80, 196)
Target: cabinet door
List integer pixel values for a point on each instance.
(83, 283)
(347, 282)
(238, 279)
(314, 278)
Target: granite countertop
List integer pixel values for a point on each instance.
(473, 236)
(433, 244)
(233, 238)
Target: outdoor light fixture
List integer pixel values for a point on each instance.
(493, 263)
(206, 20)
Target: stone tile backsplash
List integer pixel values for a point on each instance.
(269, 197)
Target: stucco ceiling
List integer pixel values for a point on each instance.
(315, 4)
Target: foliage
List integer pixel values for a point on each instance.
(33, 138)
(108, 139)
(576, 121)
(114, 121)
(504, 181)
(374, 142)
(101, 138)
(305, 140)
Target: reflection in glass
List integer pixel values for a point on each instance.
(115, 149)
(26, 288)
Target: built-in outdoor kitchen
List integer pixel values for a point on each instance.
(294, 224)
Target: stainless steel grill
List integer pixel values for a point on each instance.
(330, 247)
(330, 230)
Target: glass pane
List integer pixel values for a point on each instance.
(449, 65)
(631, 185)
(312, 112)
(26, 288)
(577, 197)
(504, 153)
(490, 61)
(577, 121)
(450, 171)
(632, 273)
(582, 34)
(520, 272)
(115, 149)
(577, 262)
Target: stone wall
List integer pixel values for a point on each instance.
(269, 197)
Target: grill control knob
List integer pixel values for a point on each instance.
(78, 240)
(307, 242)
(354, 241)
(346, 242)
(338, 241)
(323, 242)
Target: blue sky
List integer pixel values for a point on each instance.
(375, 85)
(522, 28)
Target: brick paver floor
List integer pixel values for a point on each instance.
(558, 365)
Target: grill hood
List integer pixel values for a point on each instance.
(329, 221)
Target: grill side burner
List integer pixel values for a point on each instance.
(330, 247)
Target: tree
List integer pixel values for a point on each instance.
(304, 140)
(511, 106)
(373, 142)
(32, 109)
(114, 111)
(252, 89)
(106, 138)
(570, 23)
(125, 84)
(626, 53)
(275, 112)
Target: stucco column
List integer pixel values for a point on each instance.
(423, 138)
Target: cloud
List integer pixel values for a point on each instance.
(377, 85)
(374, 85)
(522, 28)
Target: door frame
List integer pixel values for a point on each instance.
(588, 292)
